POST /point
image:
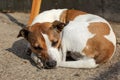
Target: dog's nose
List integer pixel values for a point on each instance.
(50, 64)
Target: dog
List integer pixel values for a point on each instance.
(54, 34)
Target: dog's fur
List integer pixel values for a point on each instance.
(56, 32)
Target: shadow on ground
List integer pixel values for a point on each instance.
(11, 18)
(19, 49)
(111, 73)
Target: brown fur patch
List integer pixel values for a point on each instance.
(70, 15)
(63, 16)
(40, 27)
(99, 28)
(99, 47)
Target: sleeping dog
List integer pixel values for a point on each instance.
(89, 39)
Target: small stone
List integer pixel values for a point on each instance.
(76, 75)
(25, 62)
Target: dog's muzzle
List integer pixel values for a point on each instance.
(49, 64)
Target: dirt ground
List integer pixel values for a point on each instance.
(16, 65)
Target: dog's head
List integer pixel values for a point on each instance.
(44, 39)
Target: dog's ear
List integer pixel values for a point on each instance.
(23, 33)
(58, 25)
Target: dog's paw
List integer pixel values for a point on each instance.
(37, 61)
(40, 64)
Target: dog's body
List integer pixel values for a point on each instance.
(87, 35)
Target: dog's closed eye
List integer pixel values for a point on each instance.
(54, 43)
(38, 48)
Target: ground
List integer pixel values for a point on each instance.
(16, 65)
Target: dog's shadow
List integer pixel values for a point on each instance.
(19, 49)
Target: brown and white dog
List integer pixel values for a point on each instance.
(89, 39)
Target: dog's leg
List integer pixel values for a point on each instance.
(82, 63)
(64, 54)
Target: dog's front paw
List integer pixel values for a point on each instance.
(40, 64)
(37, 61)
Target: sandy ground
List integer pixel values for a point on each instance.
(16, 65)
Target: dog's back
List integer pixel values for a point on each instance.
(90, 35)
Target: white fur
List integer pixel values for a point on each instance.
(89, 18)
(82, 63)
(74, 38)
(52, 52)
(48, 16)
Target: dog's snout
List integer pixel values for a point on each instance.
(50, 64)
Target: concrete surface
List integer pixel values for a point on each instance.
(16, 65)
